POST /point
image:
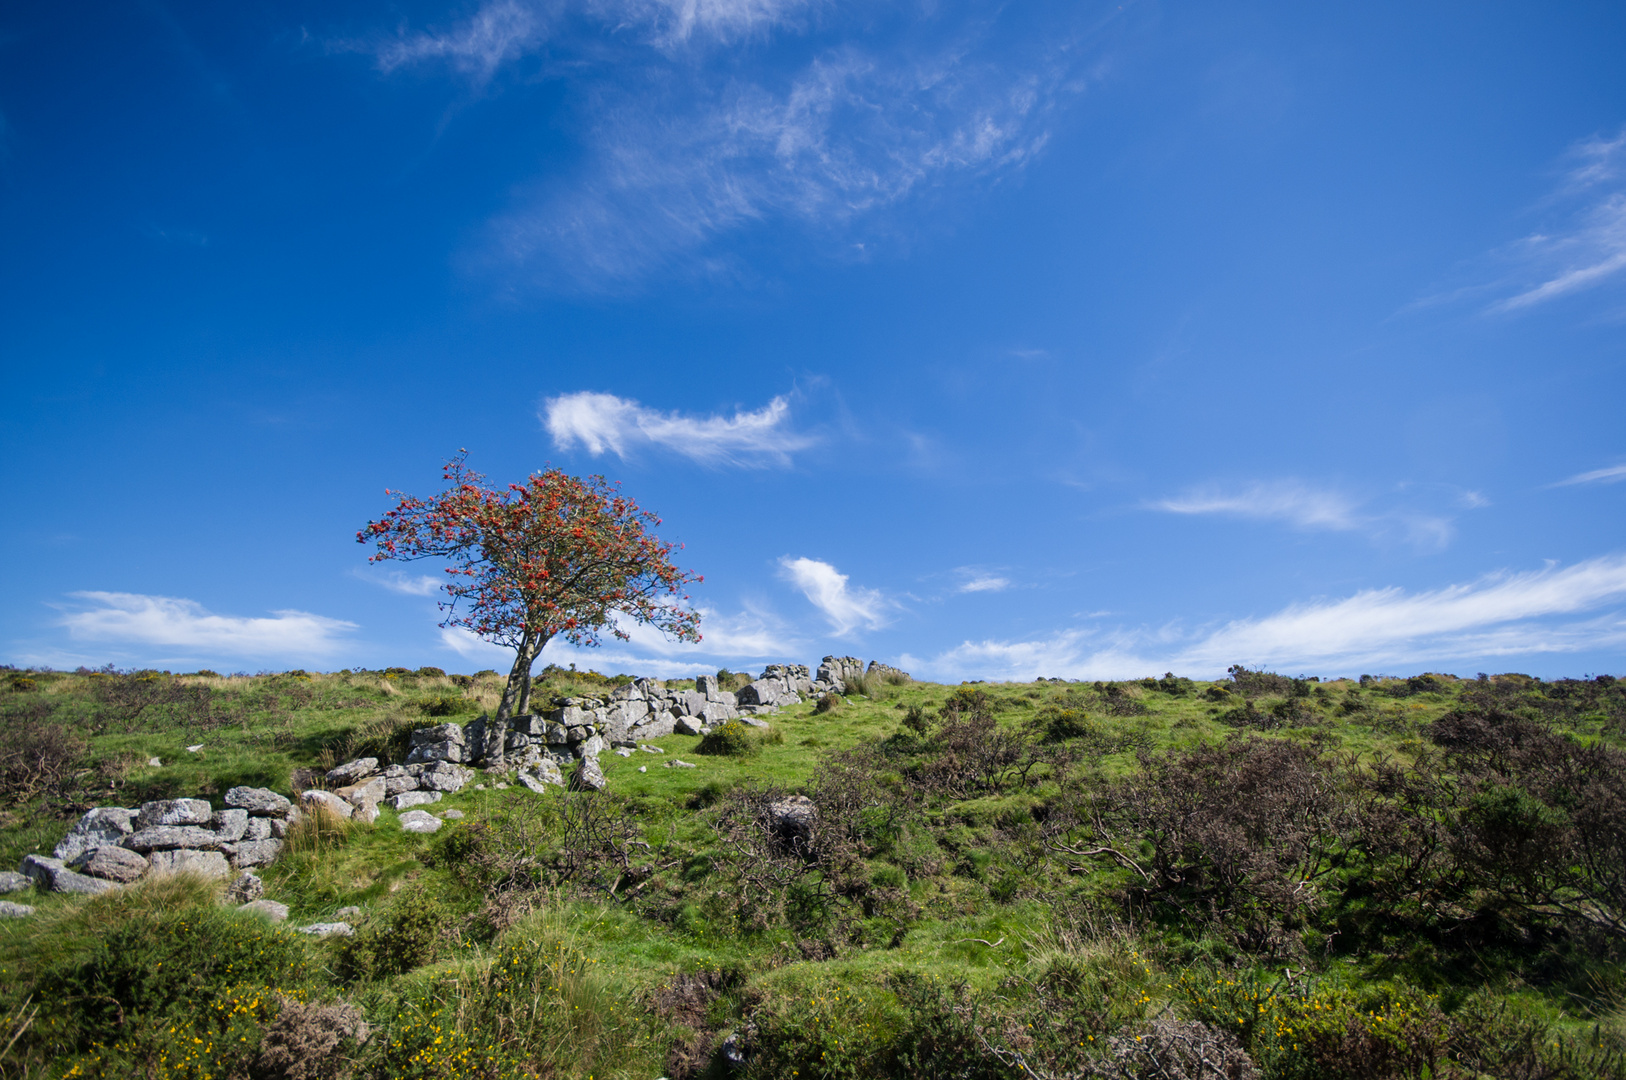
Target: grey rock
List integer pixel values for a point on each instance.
(111, 864)
(446, 777)
(716, 712)
(155, 763)
(258, 829)
(361, 794)
(279, 828)
(245, 887)
(678, 763)
(352, 771)
(9, 910)
(11, 881)
(262, 802)
(174, 812)
(97, 828)
(327, 801)
(438, 734)
(657, 726)
(791, 820)
(52, 875)
(420, 821)
(169, 837)
(592, 747)
(366, 813)
(327, 929)
(751, 721)
(761, 692)
(646, 748)
(266, 909)
(707, 686)
(623, 751)
(688, 725)
(350, 912)
(183, 861)
(254, 853)
(499, 787)
(230, 824)
(690, 703)
(408, 799)
(441, 751)
(643, 768)
(452, 815)
(396, 785)
(588, 776)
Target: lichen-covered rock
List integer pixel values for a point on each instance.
(245, 887)
(791, 820)
(9, 910)
(186, 861)
(444, 776)
(420, 821)
(170, 837)
(408, 799)
(11, 881)
(53, 875)
(253, 853)
(258, 829)
(352, 771)
(397, 784)
(266, 909)
(688, 725)
(761, 692)
(370, 791)
(587, 776)
(327, 929)
(328, 802)
(230, 824)
(97, 828)
(111, 864)
(262, 802)
(162, 812)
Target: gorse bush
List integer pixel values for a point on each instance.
(729, 739)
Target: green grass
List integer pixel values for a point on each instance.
(955, 926)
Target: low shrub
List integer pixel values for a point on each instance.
(729, 739)
(430, 673)
(450, 705)
(413, 932)
(827, 703)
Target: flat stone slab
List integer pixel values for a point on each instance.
(111, 864)
(97, 828)
(9, 910)
(420, 821)
(267, 909)
(406, 800)
(183, 861)
(230, 824)
(168, 837)
(351, 771)
(328, 801)
(327, 929)
(260, 801)
(11, 881)
(174, 812)
(53, 875)
(253, 852)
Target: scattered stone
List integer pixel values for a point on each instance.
(444, 776)
(9, 910)
(420, 821)
(154, 763)
(399, 784)
(328, 801)
(259, 801)
(327, 929)
(194, 748)
(499, 787)
(534, 783)
(183, 861)
(588, 776)
(351, 912)
(751, 721)
(623, 751)
(366, 813)
(253, 853)
(245, 887)
(230, 824)
(11, 881)
(368, 791)
(352, 771)
(111, 864)
(53, 875)
(678, 763)
(408, 799)
(592, 746)
(279, 827)
(790, 820)
(452, 815)
(266, 909)
(97, 828)
(479, 787)
(167, 837)
(643, 768)
(646, 748)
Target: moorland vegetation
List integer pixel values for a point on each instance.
(1260, 876)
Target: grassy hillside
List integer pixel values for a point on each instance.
(1413, 877)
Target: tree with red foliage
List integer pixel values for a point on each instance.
(556, 556)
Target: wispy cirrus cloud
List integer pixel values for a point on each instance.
(847, 607)
(700, 119)
(1612, 474)
(604, 423)
(975, 580)
(406, 584)
(164, 622)
(1586, 244)
(1312, 508)
(1500, 614)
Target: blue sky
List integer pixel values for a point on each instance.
(1065, 339)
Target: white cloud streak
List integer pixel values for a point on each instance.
(604, 423)
(1501, 614)
(846, 607)
(1589, 247)
(974, 581)
(1611, 475)
(1315, 509)
(169, 622)
(405, 584)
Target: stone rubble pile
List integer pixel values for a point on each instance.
(113, 845)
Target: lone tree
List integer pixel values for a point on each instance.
(556, 556)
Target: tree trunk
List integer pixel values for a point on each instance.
(516, 699)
